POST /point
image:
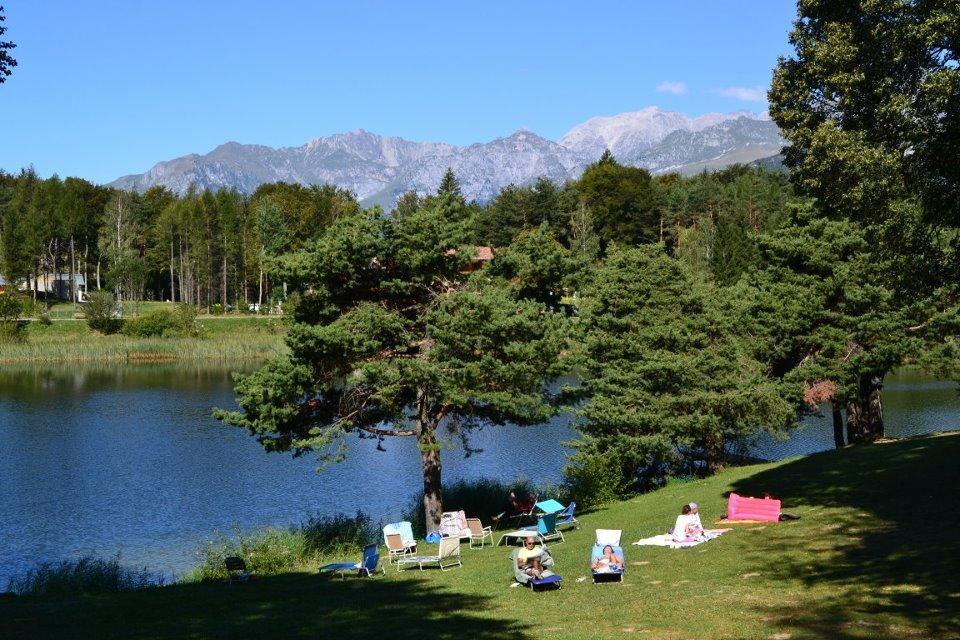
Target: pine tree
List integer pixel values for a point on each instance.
(667, 372)
(392, 338)
(450, 186)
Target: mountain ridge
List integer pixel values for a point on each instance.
(378, 169)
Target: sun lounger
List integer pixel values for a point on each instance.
(448, 555)
(366, 567)
(565, 518)
(603, 538)
(546, 528)
(547, 578)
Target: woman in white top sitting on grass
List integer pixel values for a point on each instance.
(688, 527)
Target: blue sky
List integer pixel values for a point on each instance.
(109, 88)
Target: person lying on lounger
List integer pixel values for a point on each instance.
(609, 561)
(528, 560)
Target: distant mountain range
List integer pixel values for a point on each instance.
(378, 169)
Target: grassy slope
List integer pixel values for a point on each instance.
(225, 337)
(875, 555)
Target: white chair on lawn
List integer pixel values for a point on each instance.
(448, 555)
(478, 532)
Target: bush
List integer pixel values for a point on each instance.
(12, 329)
(484, 499)
(100, 312)
(604, 471)
(84, 576)
(178, 323)
(274, 550)
(11, 307)
(15, 331)
(216, 310)
(341, 533)
(149, 325)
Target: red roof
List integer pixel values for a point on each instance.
(484, 254)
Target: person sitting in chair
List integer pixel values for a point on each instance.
(609, 561)
(528, 560)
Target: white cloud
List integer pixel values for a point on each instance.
(669, 86)
(747, 94)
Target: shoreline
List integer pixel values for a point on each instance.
(223, 338)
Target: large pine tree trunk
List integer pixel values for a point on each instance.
(871, 386)
(865, 412)
(838, 440)
(430, 457)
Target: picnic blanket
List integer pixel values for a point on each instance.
(729, 521)
(666, 540)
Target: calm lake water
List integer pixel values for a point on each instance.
(128, 460)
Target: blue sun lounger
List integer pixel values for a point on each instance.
(607, 574)
(366, 567)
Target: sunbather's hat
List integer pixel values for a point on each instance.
(693, 505)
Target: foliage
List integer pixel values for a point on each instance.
(392, 337)
(621, 199)
(177, 323)
(869, 104)
(88, 575)
(100, 312)
(667, 373)
(273, 551)
(536, 264)
(7, 61)
(11, 307)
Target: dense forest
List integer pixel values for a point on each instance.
(210, 248)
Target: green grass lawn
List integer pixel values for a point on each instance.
(876, 554)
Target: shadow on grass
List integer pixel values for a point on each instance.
(889, 561)
(283, 606)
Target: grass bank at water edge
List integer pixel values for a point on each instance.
(221, 338)
(874, 555)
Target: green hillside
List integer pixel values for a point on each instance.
(875, 555)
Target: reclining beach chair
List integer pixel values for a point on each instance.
(236, 569)
(448, 555)
(565, 518)
(399, 539)
(478, 532)
(453, 524)
(548, 578)
(366, 567)
(546, 528)
(606, 537)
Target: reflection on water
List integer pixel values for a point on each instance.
(108, 459)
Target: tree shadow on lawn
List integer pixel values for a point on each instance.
(890, 560)
(283, 606)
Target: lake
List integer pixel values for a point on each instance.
(127, 459)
